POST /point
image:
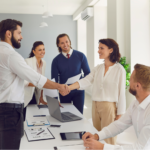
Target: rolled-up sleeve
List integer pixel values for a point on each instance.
(18, 65)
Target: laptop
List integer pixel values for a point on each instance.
(54, 110)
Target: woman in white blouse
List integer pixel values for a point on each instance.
(33, 95)
(109, 81)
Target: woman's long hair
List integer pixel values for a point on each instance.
(115, 55)
(36, 44)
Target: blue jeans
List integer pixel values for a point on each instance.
(75, 96)
(11, 125)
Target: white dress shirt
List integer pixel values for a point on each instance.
(110, 88)
(137, 115)
(13, 72)
(70, 53)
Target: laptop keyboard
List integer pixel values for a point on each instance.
(65, 117)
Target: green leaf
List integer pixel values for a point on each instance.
(128, 76)
(126, 67)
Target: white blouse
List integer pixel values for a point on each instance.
(110, 87)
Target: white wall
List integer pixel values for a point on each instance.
(129, 25)
(81, 36)
(100, 30)
(140, 32)
(112, 19)
(90, 42)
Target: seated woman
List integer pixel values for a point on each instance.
(33, 95)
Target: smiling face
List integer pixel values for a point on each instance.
(39, 51)
(16, 37)
(64, 44)
(104, 51)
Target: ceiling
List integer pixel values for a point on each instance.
(56, 7)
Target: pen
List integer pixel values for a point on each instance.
(40, 132)
(39, 116)
(55, 125)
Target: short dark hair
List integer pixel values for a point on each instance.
(8, 24)
(142, 75)
(57, 41)
(35, 44)
(115, 55)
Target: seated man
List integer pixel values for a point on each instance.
(138, 115)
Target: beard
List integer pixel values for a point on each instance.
(132, 91)
(15, 43)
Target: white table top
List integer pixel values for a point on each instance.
(80, 125)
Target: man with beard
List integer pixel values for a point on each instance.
(138, 115)
(13, 72)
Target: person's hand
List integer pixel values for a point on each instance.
(92, 144)
(117, 117)
(60, 105)
(42, 101)
(64, 89)
(89, 135)
(30, 84)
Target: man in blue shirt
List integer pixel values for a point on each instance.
(67, 64)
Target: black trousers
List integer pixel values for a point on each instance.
(11, 125)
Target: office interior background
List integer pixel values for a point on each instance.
(126, 21)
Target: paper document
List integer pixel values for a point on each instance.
(37, 121)
(35, 134)
(50, 92)
(74, 147)
(73, 79)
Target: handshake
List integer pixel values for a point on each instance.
(64, 89)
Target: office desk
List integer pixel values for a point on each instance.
(81, 125)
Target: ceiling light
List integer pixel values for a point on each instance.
(47, 14)
(43, 24)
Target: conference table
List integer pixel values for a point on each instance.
(74, 126)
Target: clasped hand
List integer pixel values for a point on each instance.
(91, 143)
(64, 89)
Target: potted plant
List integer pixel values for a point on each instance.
(126, 67)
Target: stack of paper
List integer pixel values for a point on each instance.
(37, 121)
(35, 134)
(73, 79)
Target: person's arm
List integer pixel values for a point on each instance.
(121, 106)
(85, 66)
(41, 99)
(142, 143)
(30, 84)
(25, 72)
(111, 130)
(83, 83)
(114, 128)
